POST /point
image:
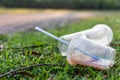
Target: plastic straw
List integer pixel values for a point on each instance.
(51, 35)
(66, 43)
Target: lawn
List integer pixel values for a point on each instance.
(29, 11)
(29, 48)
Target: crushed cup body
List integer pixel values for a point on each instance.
(106, 54)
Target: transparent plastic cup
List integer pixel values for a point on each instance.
(100, 33)
(105, 54)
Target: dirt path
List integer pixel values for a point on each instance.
(10, 23)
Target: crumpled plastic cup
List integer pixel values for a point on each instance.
(94, 41)
(100, 33)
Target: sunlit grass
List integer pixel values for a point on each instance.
(17, 10)
(30, 11)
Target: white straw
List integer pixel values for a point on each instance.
(51, 35)
(65, 42)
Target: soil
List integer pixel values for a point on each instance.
(11, 23)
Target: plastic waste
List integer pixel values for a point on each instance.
(100, 33)
(89, 47)
(106, 54)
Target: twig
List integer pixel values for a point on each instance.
(13, 72)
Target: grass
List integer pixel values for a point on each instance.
(17, 11)
(11, 59)
(29, 11)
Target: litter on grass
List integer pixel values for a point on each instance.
(89, 47)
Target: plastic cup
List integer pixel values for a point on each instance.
(106, 54)
(99, 33)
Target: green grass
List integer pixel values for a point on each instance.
(11, 59)
(30, 10)
(17, 11)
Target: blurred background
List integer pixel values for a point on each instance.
(20, 15)
(62, 4)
